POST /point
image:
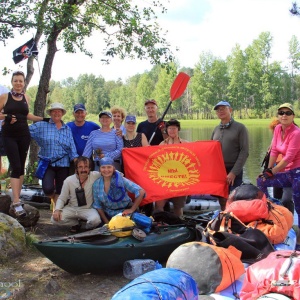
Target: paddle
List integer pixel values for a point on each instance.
(98, 231)
(102, 231)
(177, 89)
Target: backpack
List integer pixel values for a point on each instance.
(277, 225)
(278, 273)
(258, 212)
(213, 268)
(226, 229)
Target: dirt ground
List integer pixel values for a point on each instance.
(32, 276)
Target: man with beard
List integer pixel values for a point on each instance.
(75, 200)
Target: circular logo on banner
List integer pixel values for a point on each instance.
(173, 167)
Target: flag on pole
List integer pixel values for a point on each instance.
(25, 51)
(168, 171)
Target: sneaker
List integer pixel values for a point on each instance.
(19, 210)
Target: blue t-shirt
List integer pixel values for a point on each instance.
(81, 134)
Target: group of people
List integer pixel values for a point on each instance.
(85, 178)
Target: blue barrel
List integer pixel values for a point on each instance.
(165, 283)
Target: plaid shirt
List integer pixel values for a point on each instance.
(54, 143)
(101, 200)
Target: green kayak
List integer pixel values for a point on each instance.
(97, 254)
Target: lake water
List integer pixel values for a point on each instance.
(259, 141)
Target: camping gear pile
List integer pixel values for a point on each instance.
(238, 259)
(225, 256)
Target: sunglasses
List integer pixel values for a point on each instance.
(288, 113)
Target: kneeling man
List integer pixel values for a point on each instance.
(76, 198)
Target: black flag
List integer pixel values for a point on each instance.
(25, 51)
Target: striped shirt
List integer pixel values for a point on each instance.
(54, 143)
(101, 200)
(110, 144)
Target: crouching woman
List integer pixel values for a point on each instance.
(110, 192)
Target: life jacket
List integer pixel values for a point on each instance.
(278, 273)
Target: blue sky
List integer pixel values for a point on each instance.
(194, 26)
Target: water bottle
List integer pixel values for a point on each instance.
(136, 267)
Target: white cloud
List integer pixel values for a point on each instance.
(194, 26)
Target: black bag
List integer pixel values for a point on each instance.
(80, 195)
(265, 162)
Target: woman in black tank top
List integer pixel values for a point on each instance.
(132, 138)
(16, 136)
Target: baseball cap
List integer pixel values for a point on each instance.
(221, 103)
(286, 105)
(152, 101)
(107, 113)
(79, 106)
(130, 118)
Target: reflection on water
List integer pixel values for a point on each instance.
(259, 141)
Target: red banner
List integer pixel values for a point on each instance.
(168, 171)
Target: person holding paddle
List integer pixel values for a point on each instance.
(110, 192)
(151, 124)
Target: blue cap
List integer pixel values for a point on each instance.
(222, 103)
(130, 118)
(106, 161)
(107, 113)
(79, 106)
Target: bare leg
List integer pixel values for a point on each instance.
(159, 205)
(15, 186)
(178, 212)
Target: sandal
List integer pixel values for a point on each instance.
(19, 210)
(75, 228)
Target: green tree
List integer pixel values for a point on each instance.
(294, 59)
(236, 63)
(128, 29)
(144, 91)
(209, 83)
(162, 87)
(258, 55)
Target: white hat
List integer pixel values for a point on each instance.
(56, 106)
